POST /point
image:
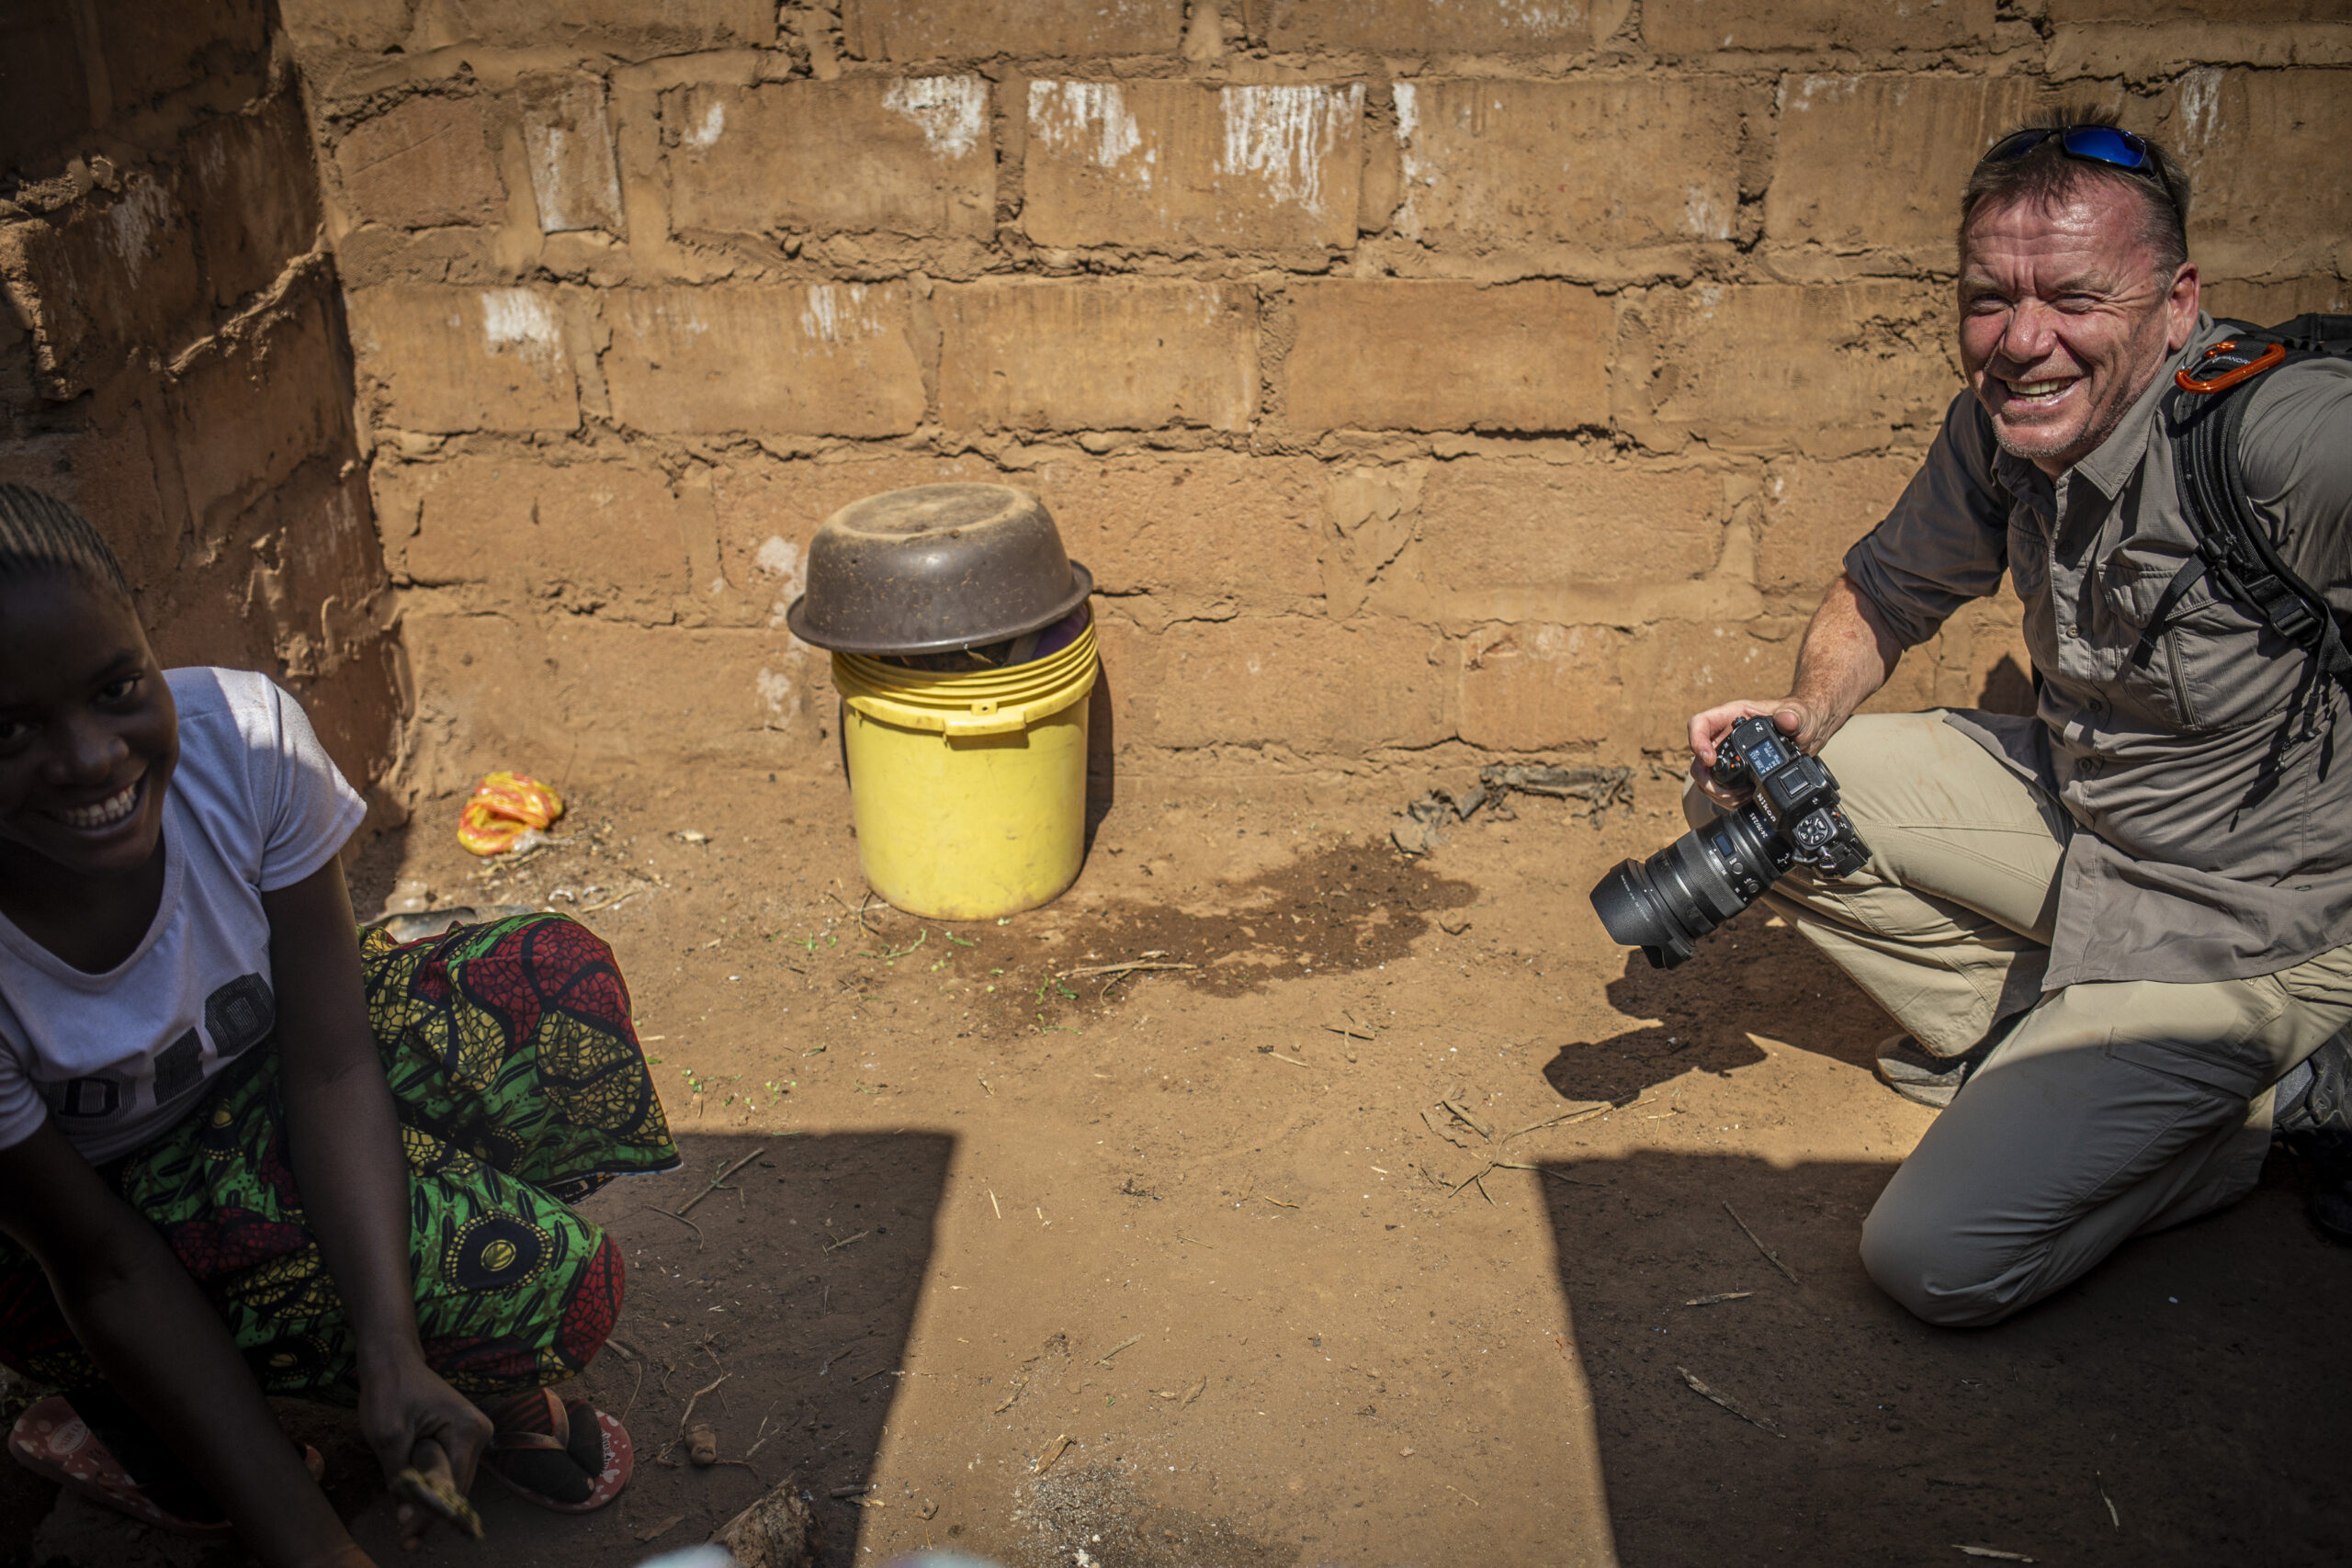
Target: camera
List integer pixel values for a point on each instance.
(1665, 903)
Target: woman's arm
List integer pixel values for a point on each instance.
(166, 1351)
(345, 1143)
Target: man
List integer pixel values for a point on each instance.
(2111, 930)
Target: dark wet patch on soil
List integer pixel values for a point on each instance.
(1345, 908)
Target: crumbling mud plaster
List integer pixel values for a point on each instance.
(1421, 379)
(173, 358)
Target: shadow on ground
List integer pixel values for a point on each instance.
(2193, 1382)
(1756, 976)
(796, 1285)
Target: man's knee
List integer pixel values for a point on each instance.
(1922, 1263)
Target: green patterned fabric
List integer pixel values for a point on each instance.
(520, 1088)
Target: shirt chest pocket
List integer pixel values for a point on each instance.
(2204, 668)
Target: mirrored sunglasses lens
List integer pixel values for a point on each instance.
(2106, 144)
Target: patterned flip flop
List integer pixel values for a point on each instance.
(620, 1461)
(53, 1443)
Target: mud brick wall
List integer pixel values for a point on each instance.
(1423, 379)
(173, 358)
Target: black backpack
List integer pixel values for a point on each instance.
(2205, 411)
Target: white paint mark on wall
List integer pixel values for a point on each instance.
(2200, 111)
(709, 127)
(1088, 119)
(780, 559)
(133, 221)
(836, 313)
(1704, 214)
(775, 691)
(1415, 169)
(952, 110)
(1544, 17)
(1282, 135)
(523, 321)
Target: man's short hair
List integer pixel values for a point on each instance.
(2048, 175)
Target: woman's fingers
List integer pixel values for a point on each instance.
(467, 1438)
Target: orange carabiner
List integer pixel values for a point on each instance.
(2228, 378)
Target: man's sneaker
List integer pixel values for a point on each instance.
(2315, 1124)
(1920, 1076)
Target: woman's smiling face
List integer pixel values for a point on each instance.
(88, 734)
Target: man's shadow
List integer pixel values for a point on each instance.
(1755, 975)
(779, 1306)
(2113, 1423)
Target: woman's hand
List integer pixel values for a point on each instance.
(414, 1420)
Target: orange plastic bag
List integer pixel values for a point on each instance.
(504, 808)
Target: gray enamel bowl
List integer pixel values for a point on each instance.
(934, 568)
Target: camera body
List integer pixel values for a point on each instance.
(1664, 905)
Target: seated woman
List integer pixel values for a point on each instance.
(243, 1152)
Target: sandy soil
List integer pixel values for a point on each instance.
(1188, 1268)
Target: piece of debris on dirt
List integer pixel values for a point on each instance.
(1770, 1255)
(1445, 1130)
(774, 1532)
(1104, 1360)
(1052, 1357)
(1599, 788)
(1993, 1552)
(1462, 1114)
(1718, 1299)
(1426, 818)
(654, 1530)
(1703, 1392)
(1053, 1451)
(438, 1497)
(702, 1444)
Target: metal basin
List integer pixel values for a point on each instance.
(934, 569)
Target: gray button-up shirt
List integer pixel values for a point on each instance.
(2205, 855)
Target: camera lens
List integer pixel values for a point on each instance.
(1664, 905)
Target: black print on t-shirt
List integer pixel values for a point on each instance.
(86, 1099)
(179, 1068)
(240, 1014)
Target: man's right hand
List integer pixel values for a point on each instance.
(1796, 719)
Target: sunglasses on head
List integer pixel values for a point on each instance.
(2093, 143)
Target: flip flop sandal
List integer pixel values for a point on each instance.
(53, 1442)
(620, 1460)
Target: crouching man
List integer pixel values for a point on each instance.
(2116, 932)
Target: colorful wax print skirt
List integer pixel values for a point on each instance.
(520, 1088)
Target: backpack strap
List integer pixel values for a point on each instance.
(2207, 411)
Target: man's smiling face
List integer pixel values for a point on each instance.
(2064, 320)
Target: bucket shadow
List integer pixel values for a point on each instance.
(1101, 754)
(807, 1334)
(2193, 1369)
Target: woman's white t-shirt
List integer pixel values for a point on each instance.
(254, 805)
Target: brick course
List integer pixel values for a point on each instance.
(1152, 165)
(1123, 355)
(816, 360)
(981, 29)
(909, 156)
(452, 359)
(421, 164)
(1597, 165)
(1381, 355)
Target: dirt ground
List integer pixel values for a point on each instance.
(1066, 1271)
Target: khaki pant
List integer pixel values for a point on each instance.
(2109, 1110)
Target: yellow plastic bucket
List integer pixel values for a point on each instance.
(968, 790)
